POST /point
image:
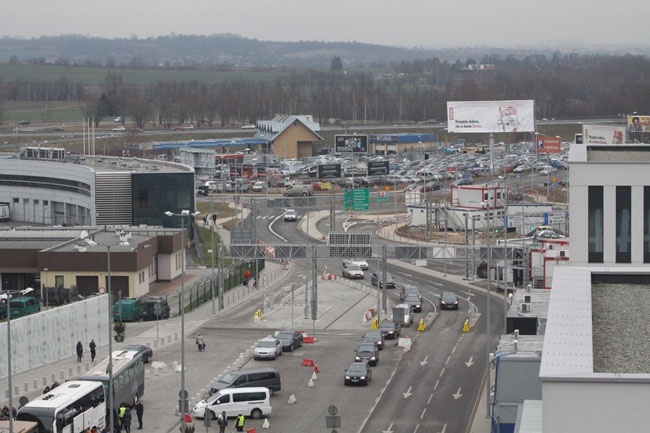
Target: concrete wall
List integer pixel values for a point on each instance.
(52, 335)
(595, 407)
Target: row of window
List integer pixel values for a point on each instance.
(623, 221)
(45, 182)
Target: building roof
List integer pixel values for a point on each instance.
(211, 144)
(271, 129)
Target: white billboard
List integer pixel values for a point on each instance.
(603, 134)
(491, 116)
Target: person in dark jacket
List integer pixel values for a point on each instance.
(126, 420)
(93, 350)
(139, 411)
(80, 351)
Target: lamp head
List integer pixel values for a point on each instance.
(169, 213)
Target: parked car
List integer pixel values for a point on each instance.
(389, 329)
(145, 351)
(448, 301)
(374, 336)
(290, 340)
(290, 215)
(154, 308)
(258, 186)
(377, 277)
(367, 352)
(267, 348)
(351, 270)
(358, 373)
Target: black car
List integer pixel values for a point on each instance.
(367, 352)
(358, 373)
(389, 329)
(414, 302)
(146, 351)
(410, 289)
(448, 301)
(377, 277)
(374, 336)
(290, 340)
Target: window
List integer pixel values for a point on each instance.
(623, 223)
(595, 224)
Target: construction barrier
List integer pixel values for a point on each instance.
(308, 340)
(308, 362)
(421, 326)
(466, 327)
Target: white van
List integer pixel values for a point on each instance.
(253, 402)
(408, 314)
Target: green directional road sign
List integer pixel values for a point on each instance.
(357, 199)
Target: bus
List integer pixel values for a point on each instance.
(128, 376)
(71, 407)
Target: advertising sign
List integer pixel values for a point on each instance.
(351, 143)
(491, 116)
(603, 134)
(549, 144)
(376, 168)
(329, 171)
(638, 123)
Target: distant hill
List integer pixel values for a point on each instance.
(227, 50)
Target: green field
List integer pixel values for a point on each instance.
(94, 77)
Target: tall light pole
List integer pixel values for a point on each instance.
(111, 402)
(213, 221)
(487, 206)
(182, 407)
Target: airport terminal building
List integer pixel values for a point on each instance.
(47, 186)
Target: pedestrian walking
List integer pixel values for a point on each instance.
(205, 220)
(200, 343)
(139, 410)
(126, 420)
(239, 422)
(80, 351)
(222, 420)
(93, 350)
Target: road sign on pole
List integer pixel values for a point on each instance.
(357, 199)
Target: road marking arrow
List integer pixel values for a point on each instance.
(457, 395)
(390, 429)
(408, 392)
(424, 361)
(470, 362)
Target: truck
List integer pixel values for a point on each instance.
(4, 211)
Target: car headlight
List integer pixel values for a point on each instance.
(372, 358)
(357, 358)
(362, 377)
(347, 376)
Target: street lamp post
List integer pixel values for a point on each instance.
(489, 285)
(111, 402)
(182, 407)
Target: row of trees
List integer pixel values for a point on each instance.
(564, 86)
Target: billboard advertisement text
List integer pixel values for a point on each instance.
(351, 143)
(603, 134)
(491, 116)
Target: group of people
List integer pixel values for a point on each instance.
(124, 416)
(51, 387)
(222, 421)
(80, 350)
(6, 414)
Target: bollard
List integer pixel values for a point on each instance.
(26, 387)
(69, 372)
(53, 377)
(16, 389)
(35, 383)
(62, 374)
(44, 381)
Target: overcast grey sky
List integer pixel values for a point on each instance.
(416, 23)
